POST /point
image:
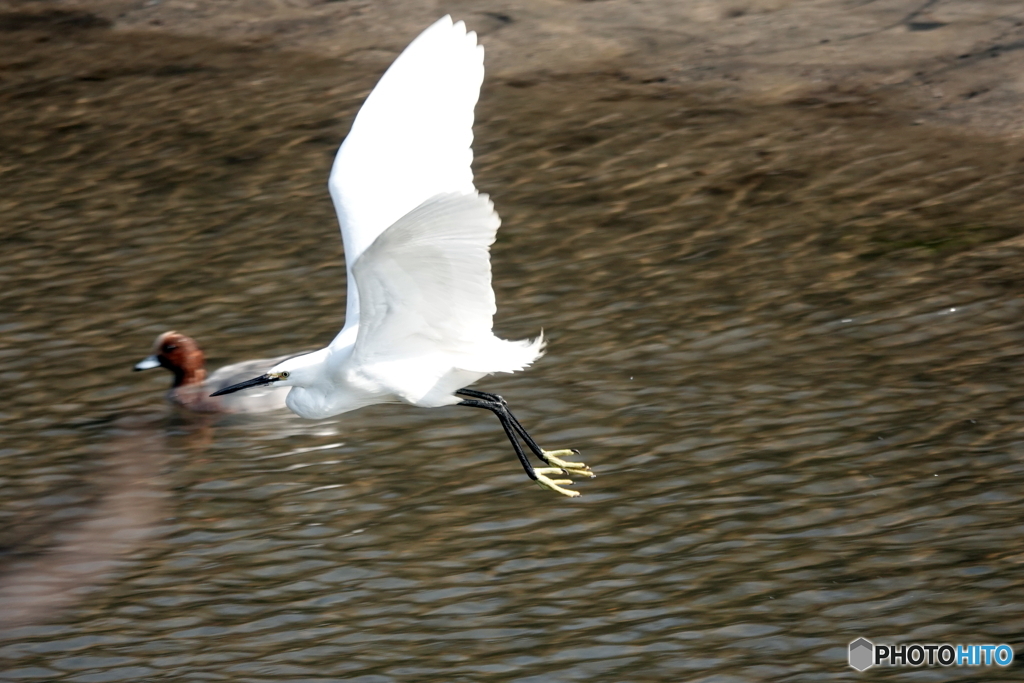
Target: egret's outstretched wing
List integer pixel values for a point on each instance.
(410, 141)
(425, 283)
(425, 292)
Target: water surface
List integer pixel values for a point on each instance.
(786, 337)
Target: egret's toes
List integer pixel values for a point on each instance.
(555, 458)
(561, 467)
(570, 471)
(544, 471)
(578, 468)
(579, 472)
(554, 484)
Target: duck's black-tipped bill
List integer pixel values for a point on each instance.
(260, 381)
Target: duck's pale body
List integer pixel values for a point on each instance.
(192, 386)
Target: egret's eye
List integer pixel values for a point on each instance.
(169, 347)
(283, 375)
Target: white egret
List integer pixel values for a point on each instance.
(417, 236)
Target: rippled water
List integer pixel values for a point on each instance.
(785, 336)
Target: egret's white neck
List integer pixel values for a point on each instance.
(320, 386)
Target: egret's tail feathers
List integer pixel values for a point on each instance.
(503, 356)
(532, 349)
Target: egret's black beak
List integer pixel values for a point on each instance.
(260, 381)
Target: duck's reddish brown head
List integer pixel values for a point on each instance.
(181, 355)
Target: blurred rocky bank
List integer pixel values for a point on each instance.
(952, 62)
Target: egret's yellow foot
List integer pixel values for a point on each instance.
(578, 468)
(554, 484)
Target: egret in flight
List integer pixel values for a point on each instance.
(417, 237)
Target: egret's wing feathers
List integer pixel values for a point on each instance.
(425, 284)
(428, 306)
(410, 141)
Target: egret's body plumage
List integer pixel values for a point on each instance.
(417, 237)
(425, 318)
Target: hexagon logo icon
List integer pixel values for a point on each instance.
(862, 653)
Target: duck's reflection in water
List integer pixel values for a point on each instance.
(131, 503)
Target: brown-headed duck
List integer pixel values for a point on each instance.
(192, 387)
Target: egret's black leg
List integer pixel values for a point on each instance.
(553, 458)
(479, 394)
(515, 431)
(496, 399)
(509, 432)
